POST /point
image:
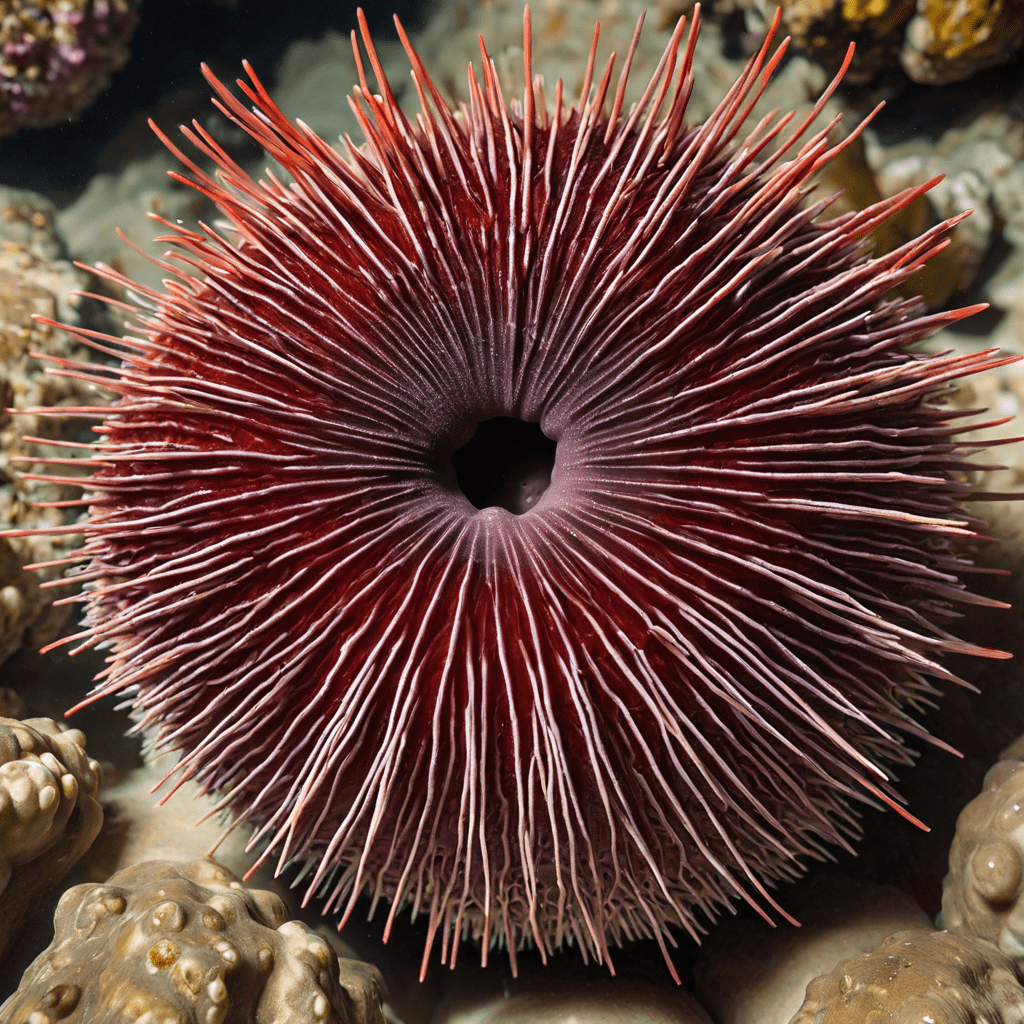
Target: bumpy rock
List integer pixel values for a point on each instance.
(915, 977)
(186, 942)
(35, 279)
(49, 814)
(57, 56)
(982, 894)
(950, 40)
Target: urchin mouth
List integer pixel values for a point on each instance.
(506, 463)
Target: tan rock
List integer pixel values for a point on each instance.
(49, 815)
(983, 894)
(916, 977)
(173, 942)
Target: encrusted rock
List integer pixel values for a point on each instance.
(57, 56)
(918, 976)
(187, 942)
(982, 894)
(936, 41)
(35, 278)
(950, 40)
(49, 814)
(825, 28)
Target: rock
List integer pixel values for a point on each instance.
(950, 40)
(11, 704)
(124, 201)
(825, 28)
(964, 187)
(935, 42)
(57, 56)
(916, 977)
(179, 825)
(36, 279)
(187, 942)
(49, 814)
(982, 894)
(1000, 471)
(750, 973)
(183, 825)
(1005, 289)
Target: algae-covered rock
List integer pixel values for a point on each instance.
(951, 40)
(826, 28)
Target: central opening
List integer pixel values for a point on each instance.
(506, 463)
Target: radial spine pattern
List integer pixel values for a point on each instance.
(666, 685)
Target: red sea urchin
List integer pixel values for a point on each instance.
(647, 686)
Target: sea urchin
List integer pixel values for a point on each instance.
(649, 664)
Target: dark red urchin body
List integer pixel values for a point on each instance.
(668, 681)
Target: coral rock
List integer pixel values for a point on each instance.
(949, 40)
(186, 942)
(49, 815)
(918, 976)
(982, 894)
(57, 56)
